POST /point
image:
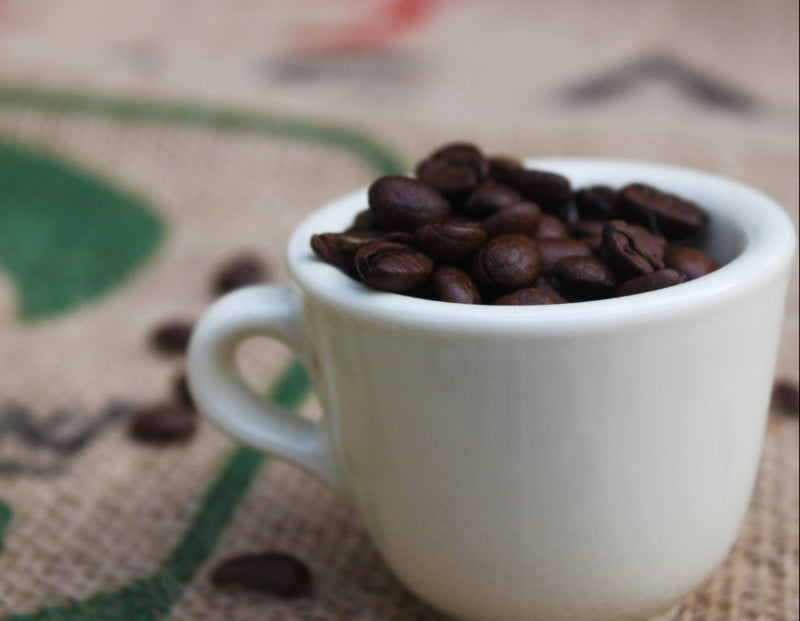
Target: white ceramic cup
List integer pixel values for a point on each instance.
(566, 462)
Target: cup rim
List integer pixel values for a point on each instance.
(769, 246)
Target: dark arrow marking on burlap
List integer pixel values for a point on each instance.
(56, 439)
(151, 598)
(66, 235)
(699, 85)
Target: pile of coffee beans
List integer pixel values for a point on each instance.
(473, 229)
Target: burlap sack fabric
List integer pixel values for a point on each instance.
(223, 126)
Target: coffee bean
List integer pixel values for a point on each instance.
(163, 422)
(632, 251)
(586, 228)
(490, 199)
(786, 397)
(568, 213)
(390, 266)
(405, 204)
(273, 573)
(548, 190)
(454, 285)
(585, 278)
(449, 243)
(328, 247)
(650, 282)
(365, 221)
(553, 249)
(597, 202)
(551, 287)
(595, 242)
(550, 226)
(454, 170)
(172, 337)
(530, 296)
(508, 262)
(499, 165)
(661, 213)
(239, 272)
(180, 388)
(521, 218)
(689, 261)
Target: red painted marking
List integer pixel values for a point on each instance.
(371, 30)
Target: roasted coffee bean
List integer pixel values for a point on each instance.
(508, 262)
(328, 247)
(273, 573)
(568, 213)
(650, 282)
(454, 170)
(786, 397)
(548, 190)
(499, 165)
(662, 213)
(530, 296)
(180, 388)
(454, 285)
(405, 204)
(172, 337)
(586, 228)
(595, 242)
(585, 278)
(365, 221)
(390, 266)
(551, 287)
(239, 272)
(490, 199)
(631, 250)
(521, 218)
(597, 202)
(554, 249)
(550, 226)
(449, 243)
(689, 261)
(163, 422)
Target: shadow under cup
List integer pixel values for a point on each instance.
(564, 462)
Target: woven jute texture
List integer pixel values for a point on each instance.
(224, 125)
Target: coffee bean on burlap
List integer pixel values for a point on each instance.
(585, 278)
(162, 423)
(550, 226)
(454, 285)
(180, 389)
(520, 218)
(597, 202)
(786, 397)
(390, 266)
(530, 296)
(631, 250)
(553, 249)
(507, 262)
(454, 170)
(172, 337)
(691, 262)
(449, 243)
(246, 269)
(272, 573)
(405, 204)
(650, 282)
(548, 190)
(487, 200)
(662, 213)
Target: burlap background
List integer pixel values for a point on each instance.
(113, 515)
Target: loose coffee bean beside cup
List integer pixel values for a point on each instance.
(473, 229)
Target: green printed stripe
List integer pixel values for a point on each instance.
(152, 598)
(5, 520)
(192, 114)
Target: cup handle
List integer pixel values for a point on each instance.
(221, 394)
